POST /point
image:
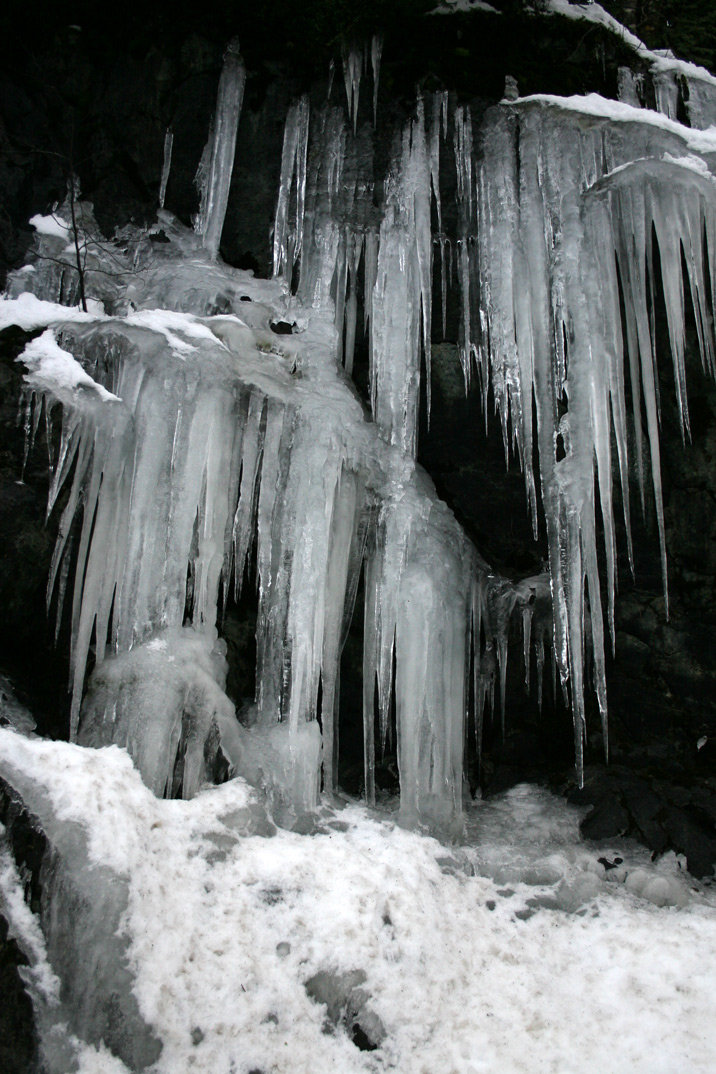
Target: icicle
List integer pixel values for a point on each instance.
(352, 303)
(376, 49)
(352, 68)
(444, 280)
(326, 196)
(401, 297)
(218, 160)
(666, 88)
(539, 660)
(463, 159)
(438, 113)
(584, 201)
(629, 87)
(527, 612)
(462, 143)
(288, 229)
(166, 165)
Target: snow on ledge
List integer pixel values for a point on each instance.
(29, 312)
(592, 104)
(449, 7)
(52, 369)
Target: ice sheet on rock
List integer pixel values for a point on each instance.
(164, 702)
(285, 763)
(218, 160)
(701, 102)
(585, 205)
(666, 88)
(630, 87)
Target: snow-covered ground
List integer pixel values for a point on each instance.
(515, 953)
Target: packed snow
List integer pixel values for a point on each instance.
(482, 957)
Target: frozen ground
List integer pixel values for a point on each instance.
(516, 953)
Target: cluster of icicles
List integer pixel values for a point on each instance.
(572, 215)
(240, 446)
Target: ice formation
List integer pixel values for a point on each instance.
(595, 194)
(217, 163)
(204, 451)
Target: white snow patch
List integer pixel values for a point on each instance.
(694, 164)
(29, 312)
(51, 225)
(52, 369)
(173, 326)
(226, 928)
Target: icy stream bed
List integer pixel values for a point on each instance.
(525, 955)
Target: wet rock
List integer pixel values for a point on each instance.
(347, 1005)
(79, 907)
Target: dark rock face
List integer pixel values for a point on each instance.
(18, 1036)
(29, 656)
(78, 102)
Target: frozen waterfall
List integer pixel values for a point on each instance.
(207, 451)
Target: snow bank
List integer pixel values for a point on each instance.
(467, 973)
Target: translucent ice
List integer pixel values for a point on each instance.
(217, 164)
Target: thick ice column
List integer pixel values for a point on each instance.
(288, 225)
(327, 197)
(353, 63)
(217, 164)
(166, 165)
(666, 88)
(417, 585)
(402, 294)
(465, 251)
